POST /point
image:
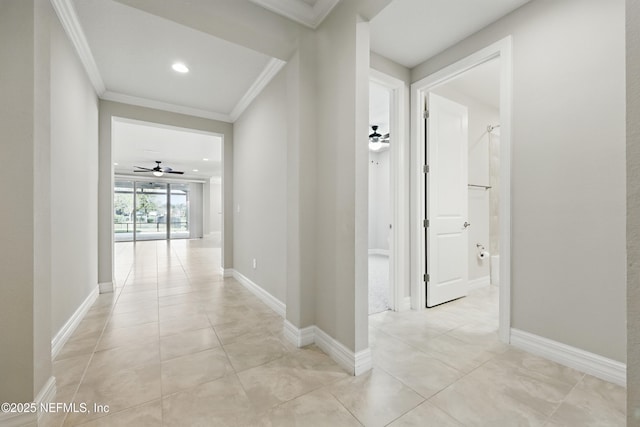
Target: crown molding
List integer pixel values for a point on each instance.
(269, 72)
(165, 106)
(69, 20)
(71, 24)
(299, 11)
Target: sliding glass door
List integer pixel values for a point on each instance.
(141, 210)
(123, 217)
(179, 200)
(151, 211)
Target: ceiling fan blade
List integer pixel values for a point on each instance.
(172, 171)
(167, 169)
(143, 169)
(386, 136)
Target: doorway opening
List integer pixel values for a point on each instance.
(179, 201)
(388, 213)
(461, 215)
(380, 226)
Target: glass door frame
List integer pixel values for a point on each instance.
(135, 185)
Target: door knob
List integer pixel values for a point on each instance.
(466, 224)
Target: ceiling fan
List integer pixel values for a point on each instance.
(158, 171)
(376, 137)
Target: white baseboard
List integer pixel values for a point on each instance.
(354, 363)
(405, 304)
(65, 332)
(480, 282)
(273, 302)
(46, 395)
(227, 272)
(590, 363)
(299, 337)
(105, 287)
(383, 252)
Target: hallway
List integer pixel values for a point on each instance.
(177, 345)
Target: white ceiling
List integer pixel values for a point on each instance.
(481, 83)
(134, 51)
(411, 31)
(141, 144)
(128, 54)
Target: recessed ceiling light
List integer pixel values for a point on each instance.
(195, 170)
(180, 67)
(206, 160)
(115, 164)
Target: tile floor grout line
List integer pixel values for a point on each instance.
(406, 412)
(86, 368)
(159, 339)
(231, 295)
(402, 382)
(347, 409)
(548, 420)
(235, 372)
(425, 353)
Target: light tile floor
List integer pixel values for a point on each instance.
(177, 345)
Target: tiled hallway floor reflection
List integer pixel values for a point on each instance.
(176, 345)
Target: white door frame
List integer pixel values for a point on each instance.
(502, 50)
(399, 189)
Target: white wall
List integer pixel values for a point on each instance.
(341, 196)
(215, 205)
(259, 177)
(633, 212)
(480, 116)
(25, 226)
(196, 210)
(390, 68)
(494, 191)
(568, 168)
(74, 181)
(379, 200)
(301, 184)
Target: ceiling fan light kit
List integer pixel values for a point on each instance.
(158, 170)
(377, 141)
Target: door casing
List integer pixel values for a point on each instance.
(502, 50)
(399, 189)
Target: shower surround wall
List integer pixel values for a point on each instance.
(494, 192)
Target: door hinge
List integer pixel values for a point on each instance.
(425, 169)
(425, 277)
(425, 114)
(425, 223)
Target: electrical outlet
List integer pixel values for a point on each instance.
(254, 264)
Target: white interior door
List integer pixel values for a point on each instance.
(447, 203)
